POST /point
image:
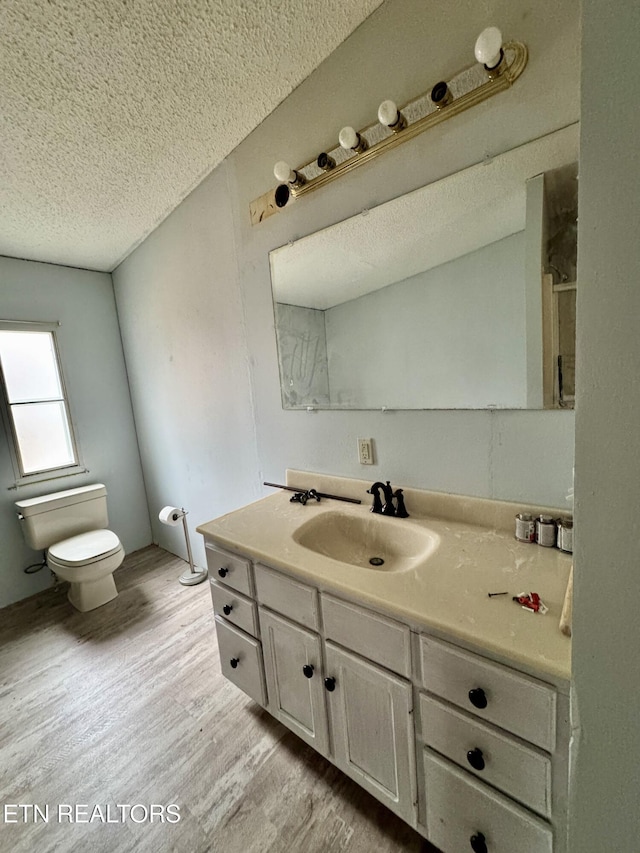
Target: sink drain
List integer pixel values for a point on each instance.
(376, 561)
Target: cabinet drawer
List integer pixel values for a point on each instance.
(520, 771)
(234, 607)
(232, 570)
(241, 660)
(460, 809)
(287, 596)
(513, 701)
(375, 637)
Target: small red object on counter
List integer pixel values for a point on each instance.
(530, 602)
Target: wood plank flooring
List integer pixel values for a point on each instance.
(126, 705)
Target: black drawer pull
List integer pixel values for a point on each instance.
(478, 698)
(223, 572)
(476, 758)
(234, 663)
(307, 669)
(227, 609)
(479, 843)
(330, 684)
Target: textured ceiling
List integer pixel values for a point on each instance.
(111, 111)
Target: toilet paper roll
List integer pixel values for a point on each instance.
(171, 515)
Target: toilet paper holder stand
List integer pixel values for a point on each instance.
(170, 515)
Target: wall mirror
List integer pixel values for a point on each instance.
(446, 298)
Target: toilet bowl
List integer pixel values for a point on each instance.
(72, 527)
(88, 561)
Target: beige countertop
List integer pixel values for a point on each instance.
(477, 554)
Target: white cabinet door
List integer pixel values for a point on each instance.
(293, 666)
(372, 727)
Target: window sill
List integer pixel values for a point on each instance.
(45, 476)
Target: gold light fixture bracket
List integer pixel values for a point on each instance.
(470, 86)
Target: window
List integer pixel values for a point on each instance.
(36, 405)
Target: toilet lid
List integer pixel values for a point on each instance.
(85, 548)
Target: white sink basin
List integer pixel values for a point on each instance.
(369, 541)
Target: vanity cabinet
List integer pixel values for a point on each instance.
(369, 709)
(351, 710)
(470, 752)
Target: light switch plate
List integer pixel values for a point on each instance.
(365, 451)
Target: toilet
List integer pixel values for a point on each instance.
(72, 527)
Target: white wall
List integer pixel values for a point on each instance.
(400, 51)
(453, 337)
(606, 637)
(94, 370)
(187, 355)
(195, 298)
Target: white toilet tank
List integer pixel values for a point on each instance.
(52, 518)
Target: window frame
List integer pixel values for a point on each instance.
(22, 479)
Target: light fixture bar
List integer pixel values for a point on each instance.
(515, 61)
(470, 99)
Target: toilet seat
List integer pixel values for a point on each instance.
(85, 549)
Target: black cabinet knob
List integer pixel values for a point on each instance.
(307, 669)
(476, 758)
(223, 572)
(227, 609)
(330, 684)
(234, 663)
(478, 698)
(478, 843)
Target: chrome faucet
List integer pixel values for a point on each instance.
(388, 508)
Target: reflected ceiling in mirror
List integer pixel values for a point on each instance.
(430, 301)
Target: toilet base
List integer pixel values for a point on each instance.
(91, 594)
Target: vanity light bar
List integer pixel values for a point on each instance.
(471, 86)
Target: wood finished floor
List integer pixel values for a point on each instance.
(127, 705)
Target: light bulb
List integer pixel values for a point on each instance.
(488, 48)
(284, 173)
(325, 162)
(348, 138)
(282, 195)
(440, 95)
(388, 113)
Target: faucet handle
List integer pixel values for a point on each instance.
(401, 510)
(377, 502)
(388, 508)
